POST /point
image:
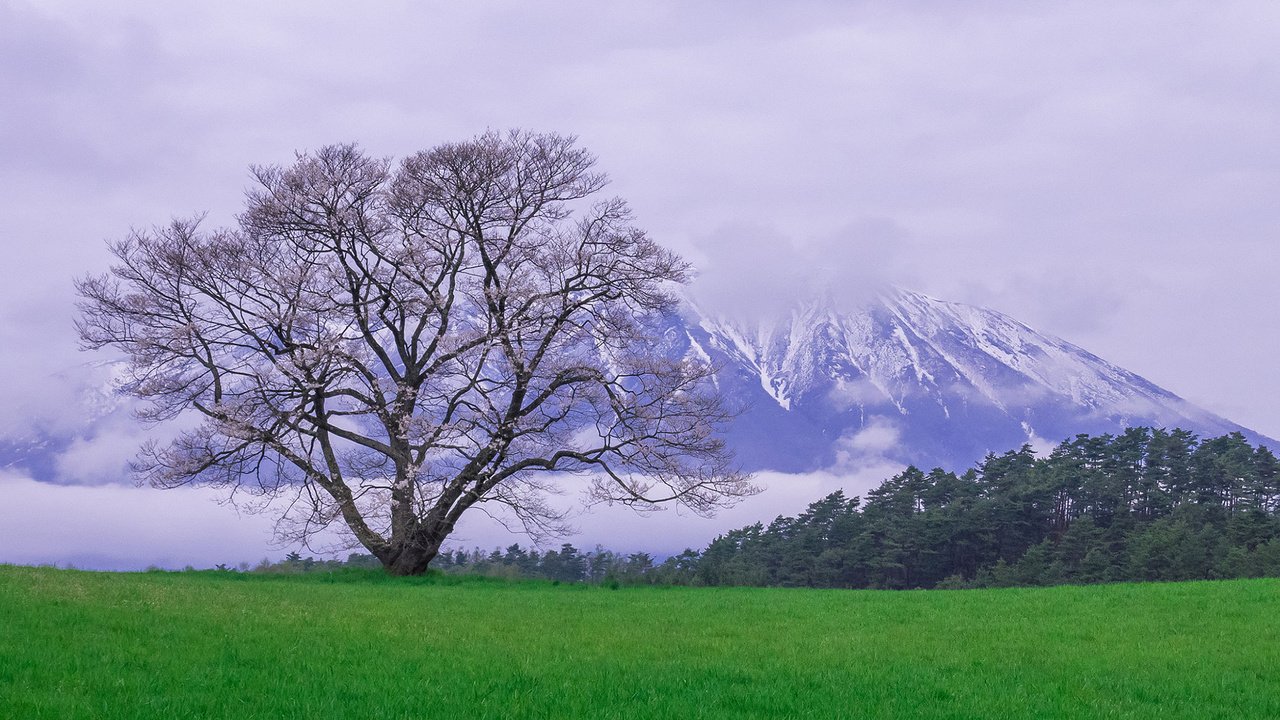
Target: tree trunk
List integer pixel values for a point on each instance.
(412, 558)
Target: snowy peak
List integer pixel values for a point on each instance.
(975, 341)
(948, 382)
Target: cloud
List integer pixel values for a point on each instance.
(672, 530)
(746, 271)
(867, 451)
(72, 400)
(847, 394)
(102, 458)
(1042, 447)
(118, 527)
(877, 436)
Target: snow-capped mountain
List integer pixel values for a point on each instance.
(913, 379)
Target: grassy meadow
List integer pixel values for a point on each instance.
(360, 645)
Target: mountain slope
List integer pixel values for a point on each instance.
(909, 378)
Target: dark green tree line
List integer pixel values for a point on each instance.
(1143, 505)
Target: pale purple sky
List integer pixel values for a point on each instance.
(1106, 172)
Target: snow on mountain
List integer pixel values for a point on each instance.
(913, 379)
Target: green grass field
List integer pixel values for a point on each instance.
(220, 645)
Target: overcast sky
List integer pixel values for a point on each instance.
(1106, 172)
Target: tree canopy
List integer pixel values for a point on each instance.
(1147, 504)
(390, 345)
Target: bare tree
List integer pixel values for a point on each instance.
(390, 347)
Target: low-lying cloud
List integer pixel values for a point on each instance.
(747, 271)
(119, 527)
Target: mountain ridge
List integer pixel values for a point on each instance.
(949, 381)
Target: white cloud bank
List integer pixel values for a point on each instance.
(115, 527)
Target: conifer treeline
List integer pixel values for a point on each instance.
(1143, 505)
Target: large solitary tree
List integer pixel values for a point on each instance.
(389, 347)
